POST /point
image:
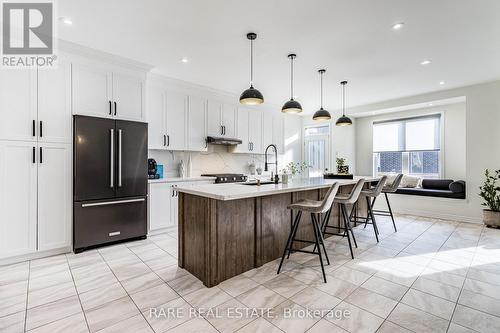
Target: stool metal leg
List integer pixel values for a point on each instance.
(390, 211)
(289, 242)
(346, 217)
(370, 212)
(295, 228)
(315, 223)
(321, 239)
(350, 227)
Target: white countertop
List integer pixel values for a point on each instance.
(233, 191)
(179, 179)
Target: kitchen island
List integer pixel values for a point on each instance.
(228, 229)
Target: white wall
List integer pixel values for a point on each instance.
(453, 138)
(482, 149)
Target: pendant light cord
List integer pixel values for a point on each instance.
(321, 94)
(251, 62)
(343, 100)
(291, 76)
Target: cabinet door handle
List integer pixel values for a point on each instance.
(110, 108)
(119, 158)
(176, 192)
(115, 108)
(112, 158)
(173, 191)
(221, 131)
(224, 127)
(41, 128)
(34, 155)
(164, 140)
(41, 155)
(33, 131)
(168, 140)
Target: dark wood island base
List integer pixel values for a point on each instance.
(219, 239)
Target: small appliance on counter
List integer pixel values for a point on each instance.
(152, 169)
(227, 177)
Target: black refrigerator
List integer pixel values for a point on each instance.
(110, 172)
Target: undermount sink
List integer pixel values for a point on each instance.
(262, 182)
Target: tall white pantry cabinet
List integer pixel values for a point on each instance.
(35, 159)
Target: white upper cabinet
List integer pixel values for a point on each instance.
(228, 120)
(103, 90)
(18, 197)
(128, 94)
(197, 124)
(54, 104)
(92, 90)
(267, 130)
(18, 104)
(175, 103)
(255, 131)
(242, 131)
(214, 121)
(155, 100)
(54, 196)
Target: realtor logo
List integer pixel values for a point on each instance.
(28, 29)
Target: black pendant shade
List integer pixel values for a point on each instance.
(291, 106)
(344, 120)
(251, 96)
(321, 114)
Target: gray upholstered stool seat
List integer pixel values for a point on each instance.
(306, 205)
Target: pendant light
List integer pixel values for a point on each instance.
(251, 96)
(343, 121)
(292, 106)
(321, 114)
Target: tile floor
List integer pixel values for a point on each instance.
(430, 276)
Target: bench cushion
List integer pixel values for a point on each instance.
(431, 193)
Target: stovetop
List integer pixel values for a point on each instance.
(227, 177)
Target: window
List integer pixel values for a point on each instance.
(410, 146)
(316, 142)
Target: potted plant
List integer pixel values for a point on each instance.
(490, 192)
(341, 167)
(293, 169)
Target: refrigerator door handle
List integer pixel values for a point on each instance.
(106, 203)
(112, 158)
(120, 158)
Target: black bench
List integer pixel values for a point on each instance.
(442, 188)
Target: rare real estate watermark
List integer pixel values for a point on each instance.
(28, 34)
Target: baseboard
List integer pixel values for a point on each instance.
(161, 231)
(34, 255)
(444, 216)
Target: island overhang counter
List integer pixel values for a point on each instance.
(227, 229)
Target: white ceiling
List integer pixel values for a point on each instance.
(353, 40)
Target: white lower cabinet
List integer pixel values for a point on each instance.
(164, 202)
(54, 196)
(18, 196)
(35, 197)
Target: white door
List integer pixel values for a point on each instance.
(197, 124)
(54, 104)
(18, 182)
(255, 131)
(157, 131)
(160, 195)
(279, 132)
(242, 131)
(229, 120)
(54, 196)
(214, 121)
(267, 130)
(18, 90)
(92, 90)
(128, 94)
(176, 120)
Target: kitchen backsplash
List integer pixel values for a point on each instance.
(216, 160)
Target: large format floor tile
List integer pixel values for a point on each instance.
(430, 276)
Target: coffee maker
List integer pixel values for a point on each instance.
(152, 169)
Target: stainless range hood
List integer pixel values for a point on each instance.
(223, 141)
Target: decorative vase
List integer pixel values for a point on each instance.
(491, 218)
(284, 178)
(342, 169)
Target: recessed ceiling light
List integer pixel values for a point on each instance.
(398, 26)
(430, 104)
(66, 20)
(426, 62)
(441, 83)
(184, 60)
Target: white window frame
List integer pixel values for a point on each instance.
(405, 162)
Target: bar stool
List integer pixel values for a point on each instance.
(371, 195)
(314, 208)
(342, 200)
(390, 188)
